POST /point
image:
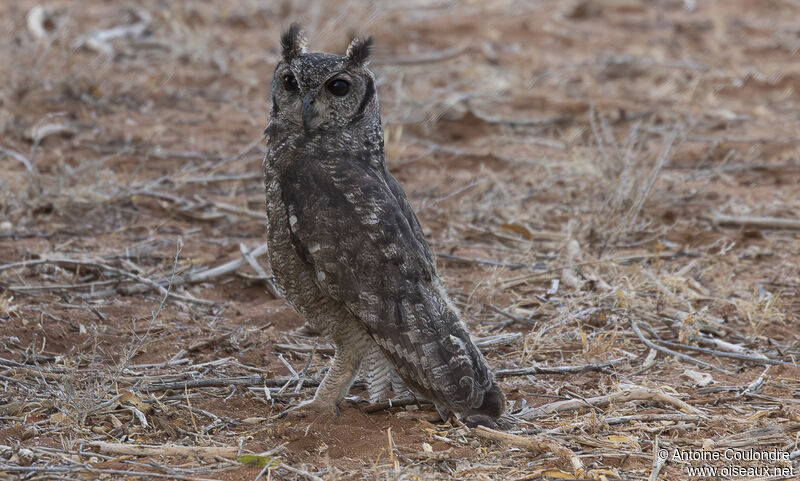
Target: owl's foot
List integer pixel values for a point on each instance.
(313, 409)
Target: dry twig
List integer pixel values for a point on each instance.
(768, 223)
(669, 352)
(628, 394)
(537, 445)
(524, 371)
(163, 449)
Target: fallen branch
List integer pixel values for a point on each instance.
(722, 345)
(223, 269)
(166, 292)
(149, 283)
(41, 21)
(643, 418)
(670, 352)
(101, 40)
(300, 472)
(96, 471)
(488, 262)
(163, 449)
(658, 462)
(773, 223)
(221, 178)
(634, 394)
(262, 274)
(522, 320)
(234, 209)
(19, 158)
(756, 359)
(537, 445)
(256, 381)
(524, 371)
(756, 385)
(623, 260)
(41, 131)
(192, 278)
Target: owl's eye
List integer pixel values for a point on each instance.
(290, 83)
(338, 87)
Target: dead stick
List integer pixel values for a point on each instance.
(19, 158)
(632, 418)
(163, 449)
(267, 280)
(257, 381)
(635, 394)
(301, 472)
(193, 278)
(522, 320)
(757, 222)
(95, 471)
(742, 357)
(233, 209)
(121, 272)
(223, 269)
(670, 352)
(537, 445)
(658, 462)
(469, 260)
(524, 371)
(153, 284)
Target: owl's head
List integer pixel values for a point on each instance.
(320, 91)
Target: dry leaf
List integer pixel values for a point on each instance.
(558, 474)
(700, 379)
(61, 418)
(518, 229)
(601, 473)
(130, 398)
(619, 438)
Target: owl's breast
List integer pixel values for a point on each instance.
(286, 267)
(294, 277)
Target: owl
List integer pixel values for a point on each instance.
(347, 250)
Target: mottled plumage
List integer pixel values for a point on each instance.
(346, 248)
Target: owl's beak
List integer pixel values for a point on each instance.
(308, 111)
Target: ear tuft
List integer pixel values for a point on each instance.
(293, 42)
(359, 50)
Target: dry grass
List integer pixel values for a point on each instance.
(588, 173)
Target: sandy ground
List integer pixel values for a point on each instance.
(582, 169)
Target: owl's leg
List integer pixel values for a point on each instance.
(378, 372)
(351, 343)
